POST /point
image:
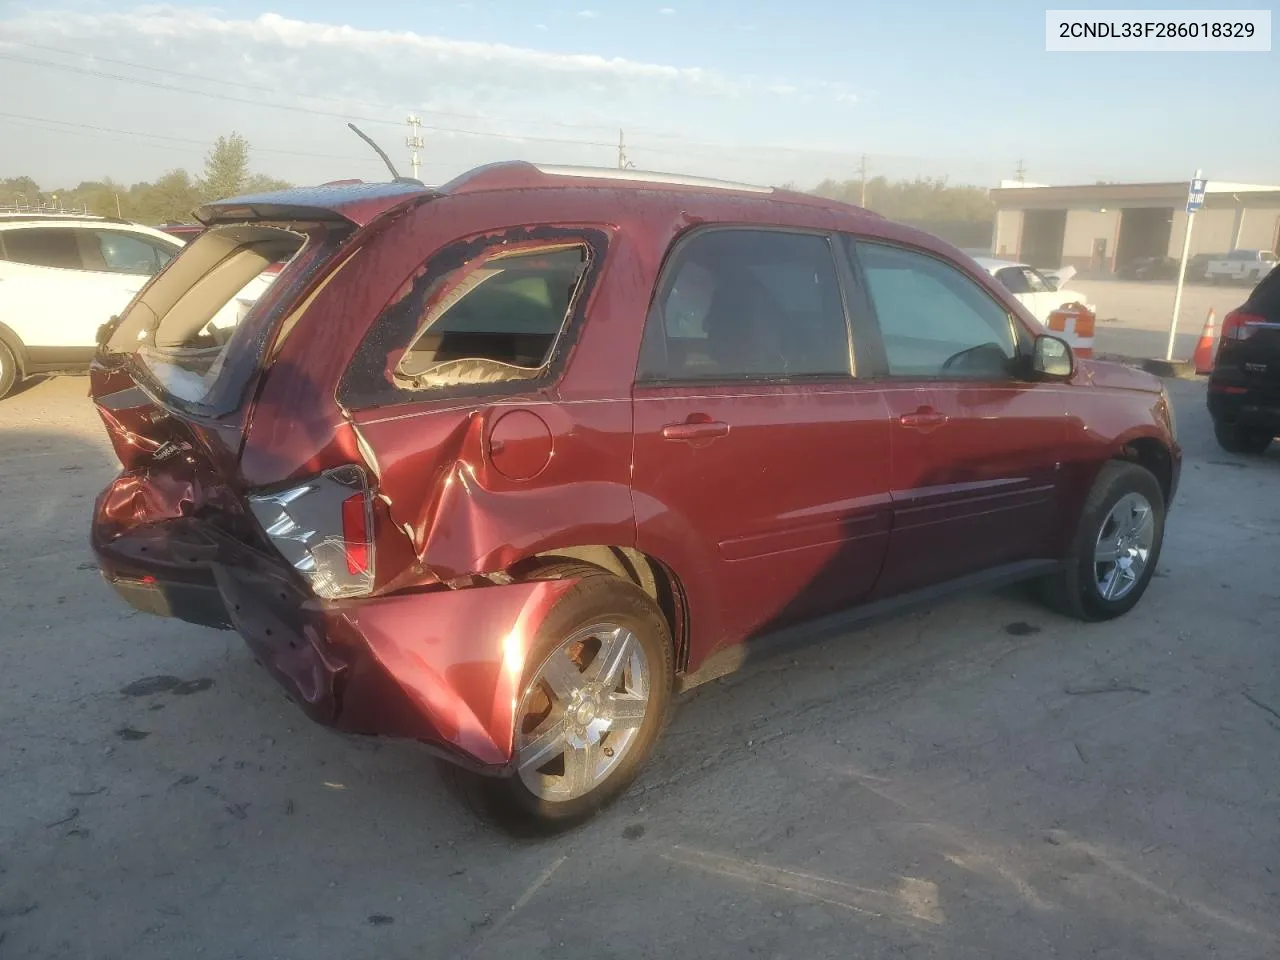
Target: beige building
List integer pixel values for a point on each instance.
(1103, 227)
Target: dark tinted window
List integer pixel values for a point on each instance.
(127, 253)
(43, 247)
(740, 304)
(935, 321)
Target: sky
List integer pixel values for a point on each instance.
(767, 91)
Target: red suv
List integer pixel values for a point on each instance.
(501, 466)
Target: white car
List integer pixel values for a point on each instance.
(62, 277)
(1241, 266)
(1040, 292)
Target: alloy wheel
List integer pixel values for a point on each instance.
(582, 712)
(1123, 547)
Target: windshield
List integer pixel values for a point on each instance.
(198, 333)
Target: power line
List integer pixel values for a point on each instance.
(262, 88)
(155, 84)
(680, 146)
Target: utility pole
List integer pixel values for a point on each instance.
(623, 162)
(414, 142)
(862, 179)
(1020, 174)
(119, 215)
(1195, 200)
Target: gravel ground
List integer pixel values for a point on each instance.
(982, 780)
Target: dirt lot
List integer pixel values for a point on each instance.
(985, 780)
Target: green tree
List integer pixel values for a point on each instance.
(172, 197)
(14, 190)
(226, 168)
(261, 183)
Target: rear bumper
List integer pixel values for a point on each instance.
(439, 666)
(1250, 408)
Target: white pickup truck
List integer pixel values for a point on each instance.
(1241, 266)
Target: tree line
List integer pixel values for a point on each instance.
(961, 214)
(169, 198)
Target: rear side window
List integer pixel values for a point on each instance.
(743, 304)
(497, 320)
(43, 248)
(121, 252)
(489, 315)
(934, 320)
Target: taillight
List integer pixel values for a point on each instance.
(355, 532)
(324, 528)
(1238, 325)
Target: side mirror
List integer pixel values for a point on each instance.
(1052, 358)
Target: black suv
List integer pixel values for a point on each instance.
(1244, 387)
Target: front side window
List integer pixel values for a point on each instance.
(739, 304)
(934, 320)
(43, 247)
(126, 253)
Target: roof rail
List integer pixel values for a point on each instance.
(649, 176)
(518, 174)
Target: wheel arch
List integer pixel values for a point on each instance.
(16, 347)
(1153, 455)
(659, 582)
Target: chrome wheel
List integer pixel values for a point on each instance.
(1123, 549)
(582, 712)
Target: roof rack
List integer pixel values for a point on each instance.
(518, 174)
(648, 176)
(17, 216)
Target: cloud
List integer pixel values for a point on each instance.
(226, 73)
(667, 11)
(588, 14)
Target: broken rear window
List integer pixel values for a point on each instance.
(496, 321)
(199, 331)
(488, 315)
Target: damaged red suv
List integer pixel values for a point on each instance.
(501, 466)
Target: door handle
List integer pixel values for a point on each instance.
(925, 419)
(695, 430)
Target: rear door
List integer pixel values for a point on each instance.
(976, 474)
(48, 298)
(761, 464)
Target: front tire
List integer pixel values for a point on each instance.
(8, 371)
(594, 701)
(1234, 438)
(1116, 547)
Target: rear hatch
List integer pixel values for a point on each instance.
(181, 364)
(1249, 350)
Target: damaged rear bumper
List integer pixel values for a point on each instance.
(439, 666)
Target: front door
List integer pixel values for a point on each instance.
(976, 450)
(761, 465)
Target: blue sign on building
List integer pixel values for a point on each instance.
(1195, 196)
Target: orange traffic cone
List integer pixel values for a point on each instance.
(1203, 358)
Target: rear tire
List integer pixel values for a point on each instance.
(8, 371)
(561, 707)
(1234, 438)
(1116, 547)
